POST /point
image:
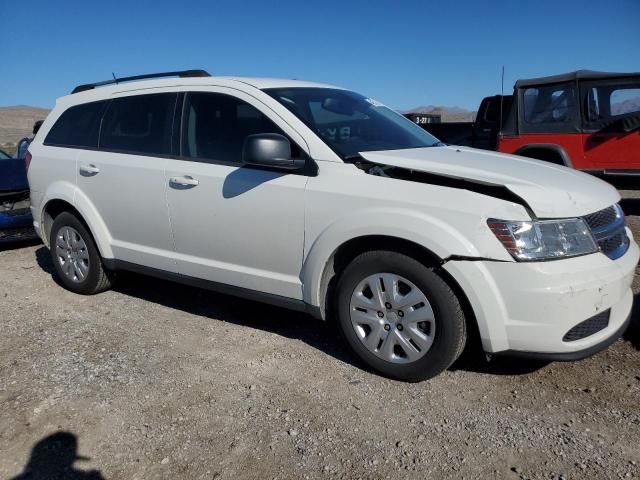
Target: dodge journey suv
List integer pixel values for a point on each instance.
(319, 199)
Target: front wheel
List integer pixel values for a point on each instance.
(75, 256)
(399, 316)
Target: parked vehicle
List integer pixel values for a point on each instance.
(15, 215)
(481, 133)
(318, 199)
(585, 120)
(23, 144)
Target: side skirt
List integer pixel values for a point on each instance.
(253, 295)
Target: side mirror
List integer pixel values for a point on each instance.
(269, 150)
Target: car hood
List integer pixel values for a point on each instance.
(551, 191)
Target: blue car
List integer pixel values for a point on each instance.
(15, 215)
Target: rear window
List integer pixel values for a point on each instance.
(77, 127)
(140, 124)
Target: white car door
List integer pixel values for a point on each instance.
(124, 179)
(234, 224)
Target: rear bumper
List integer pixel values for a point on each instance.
(527, 309)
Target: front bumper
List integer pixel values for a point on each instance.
(527, 308)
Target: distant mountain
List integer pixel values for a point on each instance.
(17, 122)
(448, 114)
(626, 106)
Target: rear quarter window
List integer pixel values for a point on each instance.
(77, 127)
(139, 124)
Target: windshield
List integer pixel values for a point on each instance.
(4, 156)
(350, 123)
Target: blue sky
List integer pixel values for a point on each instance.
(403, 53)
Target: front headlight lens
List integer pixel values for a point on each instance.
(544, 239)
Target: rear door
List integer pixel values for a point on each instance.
(124, 177)
(234, 224)
(611, 134)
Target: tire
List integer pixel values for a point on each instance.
(418, 350)
(75, 257)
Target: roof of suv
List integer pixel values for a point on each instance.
(261, 83)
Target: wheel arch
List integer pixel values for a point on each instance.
(549, 152)
(85, 212)
(341, 256)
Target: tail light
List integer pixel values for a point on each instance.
(27, 160)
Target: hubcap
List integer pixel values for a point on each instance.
(72, 254)
(392, 318)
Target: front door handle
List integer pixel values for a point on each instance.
(184, 181)
(89, 170)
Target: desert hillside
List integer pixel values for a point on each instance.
(17, 122)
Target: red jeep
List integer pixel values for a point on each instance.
(586, 120)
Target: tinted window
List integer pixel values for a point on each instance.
(140, 124)
(77, 127)
(216, 125)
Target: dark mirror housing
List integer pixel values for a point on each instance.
(269, 150)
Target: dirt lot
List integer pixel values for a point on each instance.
(158, 380)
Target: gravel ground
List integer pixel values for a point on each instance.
(158, 380)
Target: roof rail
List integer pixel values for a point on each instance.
(181, 74)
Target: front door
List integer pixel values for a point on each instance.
(233, 224)
(611, 135)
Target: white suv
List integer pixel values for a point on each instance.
(319, 199)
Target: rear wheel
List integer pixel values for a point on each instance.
(75, 256)
(399, 316)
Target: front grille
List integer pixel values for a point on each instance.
(18, 212)
(601, 218)
(588, 327)
(608, 229)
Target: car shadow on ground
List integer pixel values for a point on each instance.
(12, 244)
(622, 182)
(630, 206)
(318, 334)
(633, 332)
(53, 457)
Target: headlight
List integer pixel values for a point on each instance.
(544, 239)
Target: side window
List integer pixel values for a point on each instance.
(139, 124)
(625, 100)
(605, 103)
(550, 108)
(77, 127)
(214, 127)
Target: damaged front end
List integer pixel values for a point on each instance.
(15, 215)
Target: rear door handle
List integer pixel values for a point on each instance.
(184, 181)
(89, 170)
